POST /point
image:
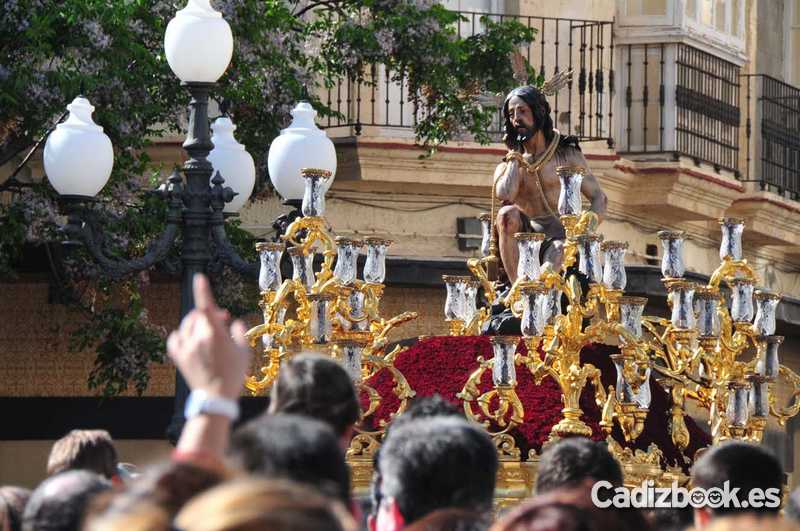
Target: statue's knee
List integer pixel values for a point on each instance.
(508, 221)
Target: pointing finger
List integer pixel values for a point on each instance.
(203, 297)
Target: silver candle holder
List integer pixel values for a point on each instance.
(470, 300)
(759, 396)
(529, 244)
(731, 246)
(504, 373)
(766, 308)
(706, 305)
(614, 276)
(768, 363)
(314, 194)
(486, 234)
(319, 324)
(630, 314)
(375, 264)
(346, 260)
(589, 262)
(302, 267)
(681, 294)
(350, 356)
(533, 319)
(742, 300)
(269, 275)
(569, 199)
(454, 301)
(738, 404)
(672, 265)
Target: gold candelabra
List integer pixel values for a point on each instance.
(326, 308)
(724, 358)
(536, 299)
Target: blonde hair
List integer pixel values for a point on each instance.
(142, 517)
(263, 505)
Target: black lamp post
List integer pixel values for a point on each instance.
(195, 201)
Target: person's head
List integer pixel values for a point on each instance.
(154, 497)
(570, 461)
(743, 466)
(317, 386)
(425, 407)
(84, 450)
(434, 463)
(535, 516)
(526, 112)
(12, 505)
(452, 520)
(670, 518)
(292, 447)
(419, 407)
(258, 504)
(59, 502)
(570, 507)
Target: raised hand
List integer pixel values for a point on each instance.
(210, 355)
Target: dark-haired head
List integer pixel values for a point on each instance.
(571, 461)
(743, 466)
(434, 463)
(292, 447)
(316, 386)
(420, 407)
(60, 501)
(540, 108)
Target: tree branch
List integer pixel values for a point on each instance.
(322, 3)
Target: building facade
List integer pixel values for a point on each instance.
(687, 110)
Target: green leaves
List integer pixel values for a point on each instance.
(115, 51)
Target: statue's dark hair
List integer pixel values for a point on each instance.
(541, 114)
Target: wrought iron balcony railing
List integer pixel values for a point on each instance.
(674, 99)
(773, 134)
(680, 100)
(583, 108)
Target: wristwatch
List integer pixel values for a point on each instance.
(201, 403)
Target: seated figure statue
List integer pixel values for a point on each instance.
(526, 181)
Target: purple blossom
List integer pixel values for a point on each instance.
(96, 34)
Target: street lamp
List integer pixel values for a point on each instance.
(78, 160)
(301, 145)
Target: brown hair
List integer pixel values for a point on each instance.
(452, 519)
(84, 450)
(316, 386)
(570, 508)
(153, 500)
(257, 505)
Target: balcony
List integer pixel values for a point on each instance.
(693, 137)
(384, 107)
(773, 135)
(771, 164)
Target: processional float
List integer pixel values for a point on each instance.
(717, 350)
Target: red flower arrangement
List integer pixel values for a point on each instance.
(443, 364)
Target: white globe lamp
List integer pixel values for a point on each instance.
(301, 145)
(198, 43)
(78, 156)
(233, 162)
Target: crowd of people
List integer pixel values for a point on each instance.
(286, 470)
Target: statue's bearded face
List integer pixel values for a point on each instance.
(521, 117)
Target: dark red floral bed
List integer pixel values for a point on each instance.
(443, 364)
